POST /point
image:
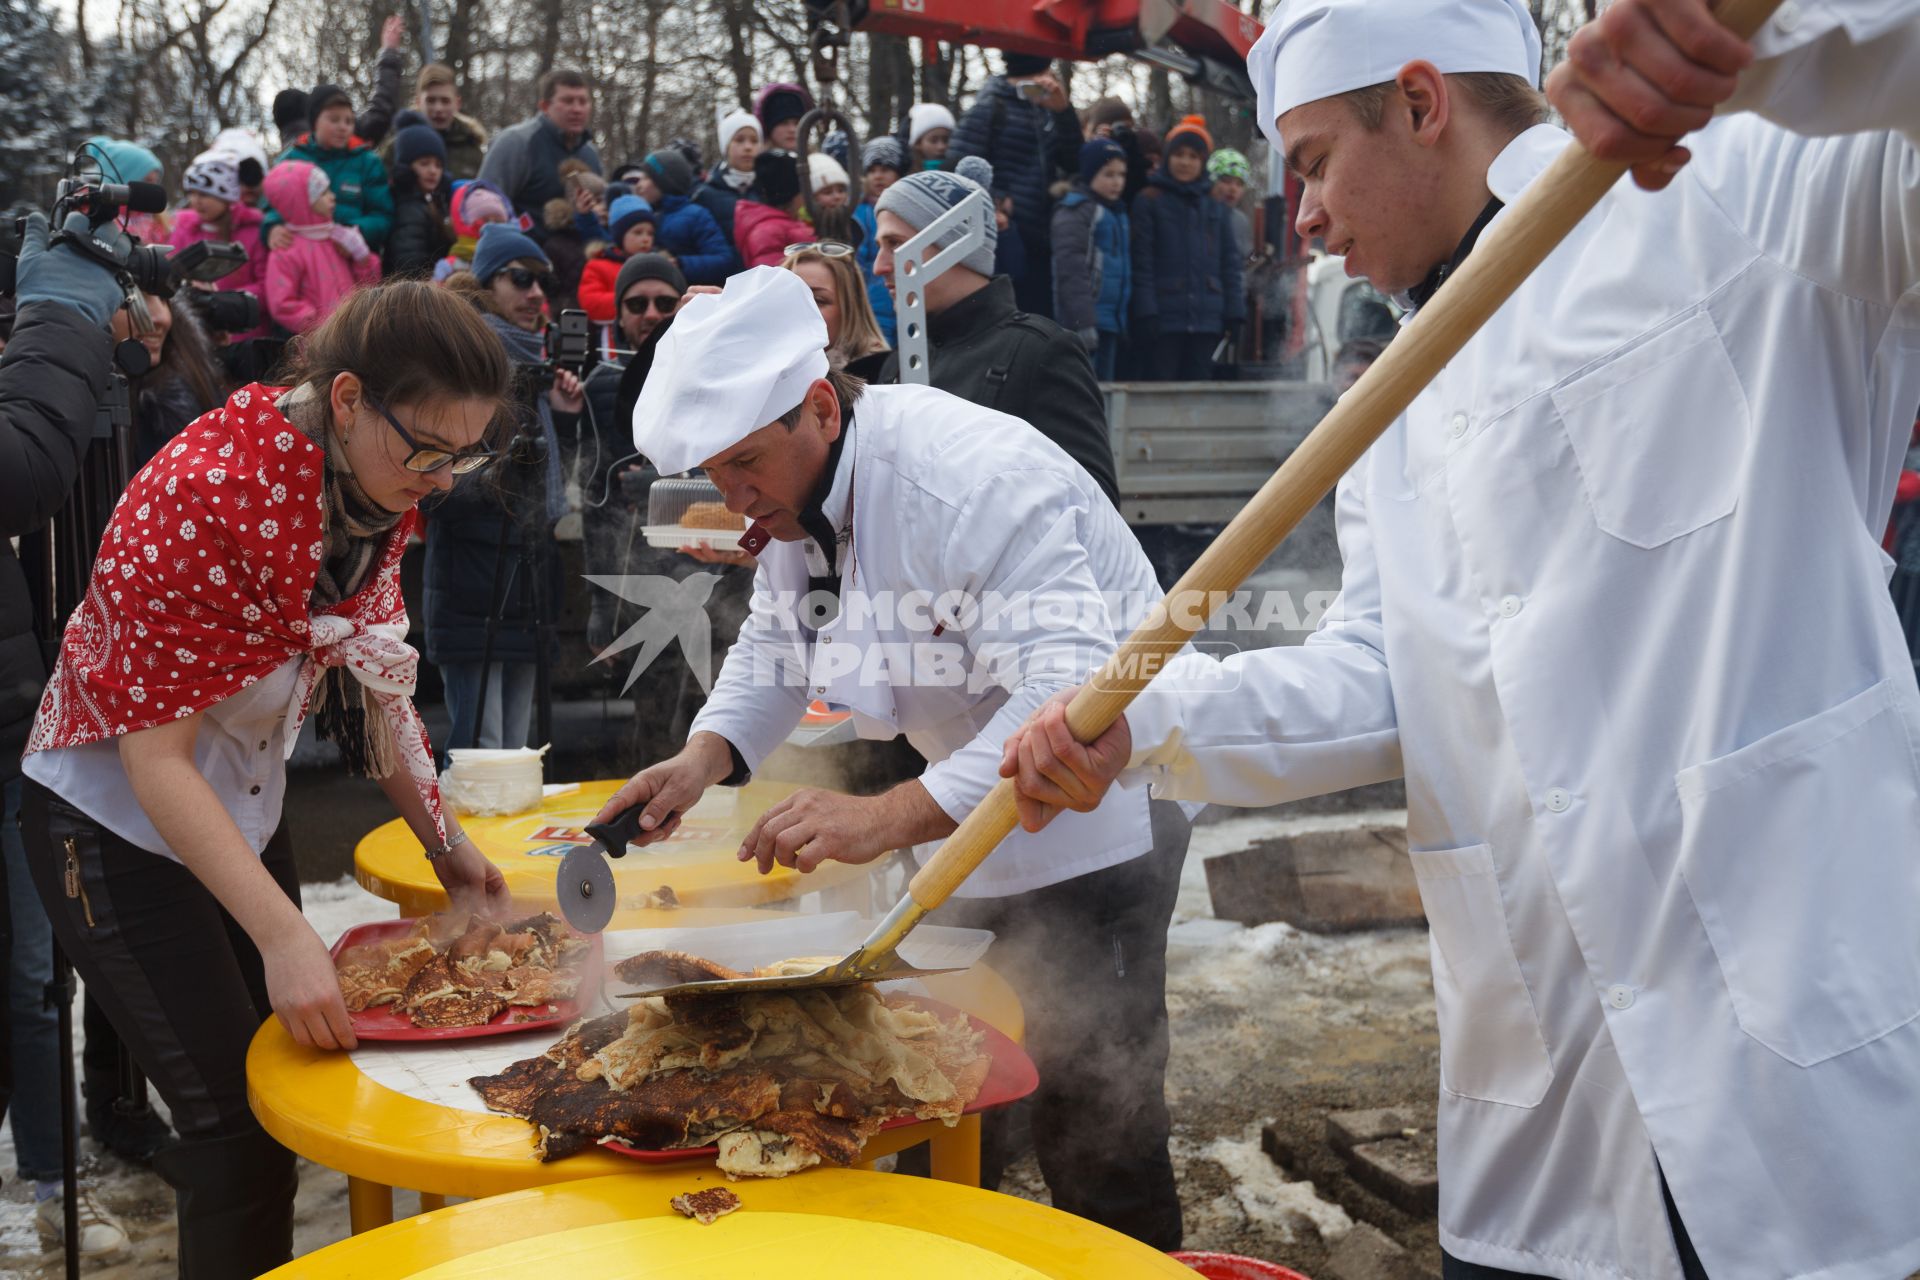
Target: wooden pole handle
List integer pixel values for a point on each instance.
(1507, 254)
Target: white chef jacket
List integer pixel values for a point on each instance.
(944, 498)
(1614, 599)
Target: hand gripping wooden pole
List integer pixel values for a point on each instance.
(1505, 256)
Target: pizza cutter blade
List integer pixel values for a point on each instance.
(584, 889)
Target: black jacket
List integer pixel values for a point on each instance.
(51, 377)
(1028, 146)
(1186, 262)
(464, 538)
(420, 235)
(985, 350)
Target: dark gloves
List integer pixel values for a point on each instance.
(1089, 338)
(63, 275)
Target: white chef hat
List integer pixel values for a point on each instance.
(1314, 49)
(732, 363)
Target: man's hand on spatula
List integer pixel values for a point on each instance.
(1053, 771)
(1641, 76)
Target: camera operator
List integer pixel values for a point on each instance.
(52, 375)
(486, 546)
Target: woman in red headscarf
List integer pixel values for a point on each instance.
(248, 576)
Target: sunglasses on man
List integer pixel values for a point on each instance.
(423, 459)
(663, 303)
(523, 279)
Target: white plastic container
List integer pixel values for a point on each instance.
(488, 782)
(667, 504)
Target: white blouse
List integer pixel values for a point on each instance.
(241, 751)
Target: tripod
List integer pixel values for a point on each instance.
(63, 566)
(522, 488)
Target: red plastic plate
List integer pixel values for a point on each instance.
(1011, 1078)
(384, 1022)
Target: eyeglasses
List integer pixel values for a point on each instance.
(423, 460)
(524, 279)
(825, 248)
(663, 303)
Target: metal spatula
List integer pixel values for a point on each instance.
(875, 960)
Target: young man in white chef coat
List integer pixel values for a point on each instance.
(1614, 603)
(939, 569)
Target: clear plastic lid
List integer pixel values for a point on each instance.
(692, 503)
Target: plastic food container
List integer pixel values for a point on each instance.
(486, 782)
(686, 512)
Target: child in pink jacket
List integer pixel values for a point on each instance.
(327, 259)
(215, 211)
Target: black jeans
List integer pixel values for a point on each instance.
(1451, 1268)
(186, 989)
(1088, 958)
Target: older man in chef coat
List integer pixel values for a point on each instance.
(1614, 603)
(939, 569)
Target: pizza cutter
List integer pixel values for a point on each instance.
(584, 887)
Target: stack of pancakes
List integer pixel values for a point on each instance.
(459, 970)
(780, 1081)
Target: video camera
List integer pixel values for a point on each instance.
(569, 346)
(85, 209)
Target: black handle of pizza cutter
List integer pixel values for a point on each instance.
(614, 836)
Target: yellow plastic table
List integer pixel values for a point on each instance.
(320, 1105)
(697, 861)
(831, 1224)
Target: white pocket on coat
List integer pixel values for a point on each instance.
(1802, 854)
(1491, 1048)
(1660, 434)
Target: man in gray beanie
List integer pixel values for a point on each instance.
(981, 347)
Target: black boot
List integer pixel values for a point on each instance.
(234, 1200)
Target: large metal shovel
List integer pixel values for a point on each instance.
(1505, 256)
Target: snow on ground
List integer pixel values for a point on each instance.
(1266, 1020)
(1263, 1194)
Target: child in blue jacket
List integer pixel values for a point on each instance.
(1092, 255)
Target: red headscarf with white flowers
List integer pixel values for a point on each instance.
(201, 587)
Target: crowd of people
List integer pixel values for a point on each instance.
(1099, 245)
(1131, 239)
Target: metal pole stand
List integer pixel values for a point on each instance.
(964, 227)
(60, 993)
